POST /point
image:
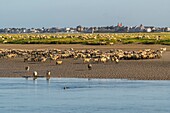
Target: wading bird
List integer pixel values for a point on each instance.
(89, 66)
(35, 75)
(27, 68)
(48, 75)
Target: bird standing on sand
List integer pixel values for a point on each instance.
(48, 75)
(35, 75)
(89, 66)
(27, 68)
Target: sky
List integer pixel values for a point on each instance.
(70, 13)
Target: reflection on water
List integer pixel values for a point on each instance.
(62, 95)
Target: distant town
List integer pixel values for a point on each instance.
(119, 28)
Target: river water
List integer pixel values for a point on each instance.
(18, 95)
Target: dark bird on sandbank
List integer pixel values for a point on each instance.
(48, 75)
(89, 66)
(27, 68)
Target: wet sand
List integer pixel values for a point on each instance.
(153, 69)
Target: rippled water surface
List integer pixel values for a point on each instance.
(18, 95)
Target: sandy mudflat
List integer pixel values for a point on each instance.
(154, 69)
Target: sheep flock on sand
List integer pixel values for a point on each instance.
(86, 56)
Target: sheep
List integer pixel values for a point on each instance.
(65, 55)
(86, 60)
(53, 57)
(120, 55)
(96, 60)
(147, 50)
(26, 59)
(158, 55)
(163, 49)
(42, 59)
(11, 55)
(135, 56)
(59, 62)
(151, 56)
(97, 55)
(103, 60)
(112, 59)
(117, 60)
(111, 43)
(88, 56)
(34, 59)
(107, 57)
(143, 56)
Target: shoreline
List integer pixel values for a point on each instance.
(149, 69)
(52, 78)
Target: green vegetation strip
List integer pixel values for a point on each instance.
(87, 39)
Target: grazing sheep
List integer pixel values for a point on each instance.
(96, 60)
(11, 55)
(26, 59)
(135, 56)
(163, 49)
(158, 55)
(42, 59)
(151, 56)
(111, 43)
(41, 55)
(112, 59)
(144, 56)
(116, 60)
(75, 57)
(86, 60)
(147, 50)
(54, 57)
(59, 62)
(103, 59)
(120, 55)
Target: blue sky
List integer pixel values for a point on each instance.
(70, 13)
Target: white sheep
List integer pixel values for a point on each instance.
(59, 62)
(86, 60)
(163, 49)
(96, 60)
(103, 59)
